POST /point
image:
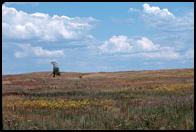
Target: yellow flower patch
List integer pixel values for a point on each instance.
(175, 87)
(49, 104)
(56, 103)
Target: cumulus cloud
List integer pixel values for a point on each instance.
(146, 44)
(156, 11)
(116, 44)
(163, 19)
(22, 25)
(28, 50)
(141, 47)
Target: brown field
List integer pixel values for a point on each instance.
(130, 100)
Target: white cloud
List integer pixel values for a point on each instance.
(142, 47)
(163, 19)
(22, 25)
(28, 50)
(189, 54)
(153, 63)
(147, 44)
(156, 11)
(20, 54)
(22, 3)
(164, 53)
(133, 10)
(116, 44)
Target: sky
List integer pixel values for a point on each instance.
(97, 36)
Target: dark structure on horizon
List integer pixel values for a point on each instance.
(56, 70)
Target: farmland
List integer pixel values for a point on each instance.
(128, 100)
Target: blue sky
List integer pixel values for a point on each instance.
(94, 37)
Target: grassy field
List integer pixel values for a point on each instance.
(132, 100)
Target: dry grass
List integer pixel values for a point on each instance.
(121, 100)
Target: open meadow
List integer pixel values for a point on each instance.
(130, 100)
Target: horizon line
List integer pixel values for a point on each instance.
(101, 71)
